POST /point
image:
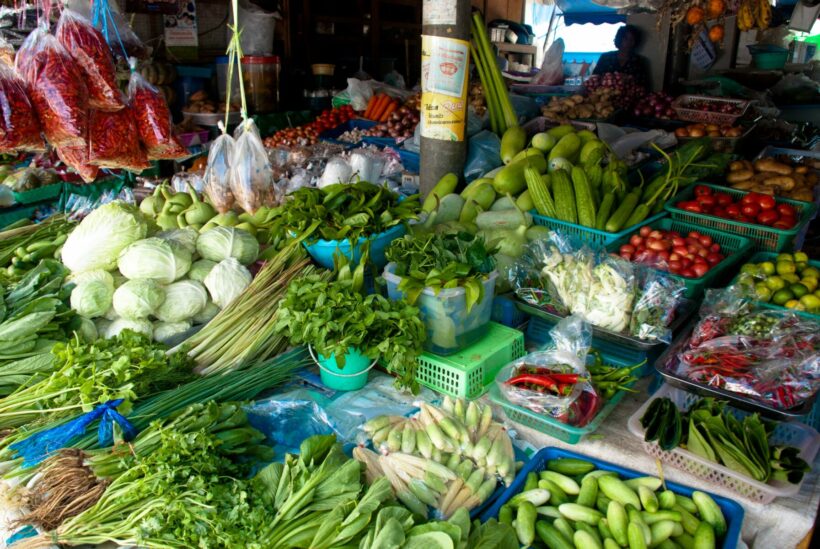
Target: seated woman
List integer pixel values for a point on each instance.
(624, 59)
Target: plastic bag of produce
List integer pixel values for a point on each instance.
(153, 119)
(218, 173)
(57, 89)
(555, 382)
(77, 158)
(19, 127)
(90, 50)
(252, 182)
(655, 307)
(113, 141)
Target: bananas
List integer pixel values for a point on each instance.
(763, 14)
(754, 14)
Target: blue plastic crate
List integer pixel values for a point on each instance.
(505, 312)
(411, 160)
(332, 135)
(732, 511)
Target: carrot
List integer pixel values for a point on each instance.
(389, 110)
(370, 105)
(380, 107)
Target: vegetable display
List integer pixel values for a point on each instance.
(691, 255)
(774, 176)
(308, 134)
(22, 247)
(398, 122)
(788, 280)
(502, 114)
(570, 503)
(755, 208)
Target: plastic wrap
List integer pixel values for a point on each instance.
(277, 416)
(90, 50)
(113, 141)
(19, 127)
(252, 182)
(655, 309)
(555, 382)
(153, 118)
(218, 173)
(483, 155)
(56, 88)
(77, 158)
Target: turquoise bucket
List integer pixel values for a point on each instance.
(350, 378)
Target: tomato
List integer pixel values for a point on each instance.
(664, 255)
(678, 241)
(719, 211)
(656, 234)
(733, 210)
(674, 256)
(714, 247)
(703, 190)
(645, 230)
(706, 240)
(723, 199)
(700, 269)
(714, 258)
(750, 210)
(767, 217)
(782, 225)
(674, 266)
(635, 240)
(766, 202)
(680, 250)
(655, 244)
(707, 201)
(786, 210)
(690, 206)
(750, 198)
(688, 272)
(627, 249)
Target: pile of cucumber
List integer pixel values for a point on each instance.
(572, 504)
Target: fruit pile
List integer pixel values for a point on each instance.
(691, 256)
(755, 208)
(789, 281)
(308, 134)
(711, 130)
(657, 105)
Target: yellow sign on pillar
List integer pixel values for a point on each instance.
(445, 64)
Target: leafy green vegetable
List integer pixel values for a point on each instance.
(98, 240)
(162, 260)
(441, 261)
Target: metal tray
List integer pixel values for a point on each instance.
(685, 310)
(736, 399)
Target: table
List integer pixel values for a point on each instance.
(782, 524)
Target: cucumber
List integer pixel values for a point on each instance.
(510, 180)
(567, 147)
(512, 142)
(526, 153)
(551, 536)
(710, 512)
(570, 466)
(560, 131)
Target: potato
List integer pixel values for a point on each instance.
(772, 165)
(739, 175)
(745, 185)
(783, 182)
(804, 195)
(811, 179)
(735, 166)
(801, 169)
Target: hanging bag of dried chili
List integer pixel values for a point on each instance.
(113, 141)
(90, 50)
(218, 172)
(19, 127)
(252, 182)
(77, 159)
(56, 89)
(153, 119)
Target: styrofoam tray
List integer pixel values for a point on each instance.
(794, 434)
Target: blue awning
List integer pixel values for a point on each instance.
(586, 11)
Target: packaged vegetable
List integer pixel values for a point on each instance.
(77, 159)
(113, 141)
(56, 88)
(252, 182)
(154, 122)
(19, 126)
(555, 382)
(89, 49)
(218, 173)
(655, 307)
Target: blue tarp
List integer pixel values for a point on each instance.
(586, 11)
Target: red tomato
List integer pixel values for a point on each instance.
(627, 249)
(674, 256)
(688, 272)
(786, 210)
(678, 241)
(656, 234)
(750, 210)
(674, 266)
(766, 202)
(700, 269)
(655, 244)
(706, 240)
(719, 211)
(714, 258)
(680, 250)
(723, 199)
(785, 220)
(782, 225)
(707, 201)
(702, 190)
(645, 230)
(750, 198)
(690, 207)
(714, 247)
(733, 210)
(635, 240)
(767, 217)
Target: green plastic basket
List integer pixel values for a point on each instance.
(551, 426)
(16, 213)
(585, 233)
(40, 194)
(92, 191)
(469, 372)
(766, 239)
(759, 257)
(734, 247)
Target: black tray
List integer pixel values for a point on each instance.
(737, 399)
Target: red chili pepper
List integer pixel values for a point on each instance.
(153, 120)
(534, 379)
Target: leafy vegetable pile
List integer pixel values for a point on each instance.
(441, 261)
(22, 246)
(341, 211)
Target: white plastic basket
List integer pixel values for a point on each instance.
(794, 434)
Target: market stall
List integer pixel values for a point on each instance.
(228, 325)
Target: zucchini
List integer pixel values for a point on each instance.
(603, 212)
(583, 198)
(564, 197)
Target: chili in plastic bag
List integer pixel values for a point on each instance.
(19, 127)
(56, 89)
(252, 180)
(218, 172)
(90, 50)
(77, 159)
(113, 141)
(153, 120)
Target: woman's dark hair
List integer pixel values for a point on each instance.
(636, 33)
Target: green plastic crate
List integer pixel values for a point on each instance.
(16, 213)
(92, 191)
(734, 247)
(586, 234)
(551, 426)
(40, 194)
(759, 257)
(766, 239)
(469, 372)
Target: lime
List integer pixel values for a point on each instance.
(791, 304)
(810, 282)
(745, 279)
(800, 266)
(810, 302)
(749, 268)
(780, 297)
(790, 278)
(785, 257)
(763, 292)
(801, 257)
(798, 290)
(785, 267)
(775, 283)
(767, 267)
(812, 272)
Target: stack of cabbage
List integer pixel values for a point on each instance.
(159, 285)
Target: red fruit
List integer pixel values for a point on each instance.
(733, 210)
(720, 211)
(674, 256)
(706, 240)
(723, 199)
(680, 250)
(645, 230)
(690, 206)
(678, 241)
(767, 217)
(675, 266)
(707, 201)
(766, 202)
(714, 258)
(688, 273)
(786, 210)
(627, 249)
(750, 210)
(627, 257)
(654, 244)
(714, 247)
(664, 255)
(635, 240)
(656, 234)
(700, 269)
(785, 223)
(702, 190)
(750, 198)
(693, 234)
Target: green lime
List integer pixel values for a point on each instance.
(791, 304)
(749, 268)
(801, 257)
(800, 266)
(798, 290)
(810, 282)
(810, 302)
(790, 278)
(785, 267)
(775, 283)
(811, 272)
(785, 257)
(763, 292)
(767, 267)
(780, 297)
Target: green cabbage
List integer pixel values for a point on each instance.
(184, 237)
(164, 332)
(139, 298)
(97, 241)
(205, 316)
(224, 242)
(92, 298)
(183, 300)
(200, 269)
(154, 258)
(100, 275)
(140, 326)
(226, 281)
(86, 329)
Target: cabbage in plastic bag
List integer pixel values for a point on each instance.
(218, 173)
(252, 181)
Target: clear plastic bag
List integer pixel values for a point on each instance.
(77, 159)
(555, 382)
(552, 70)
(252, 182)
(483, 155)
(91, 52)
(56, 89)
(655, 307)
(19, 127)
(218, 173)
(153, 118)
(113, 141)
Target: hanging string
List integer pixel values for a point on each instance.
(235, 56)
(100, 16)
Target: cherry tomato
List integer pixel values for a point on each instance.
(767, 217)
(786, 210)
(702, 190)
(723, 199)
(750, 210)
